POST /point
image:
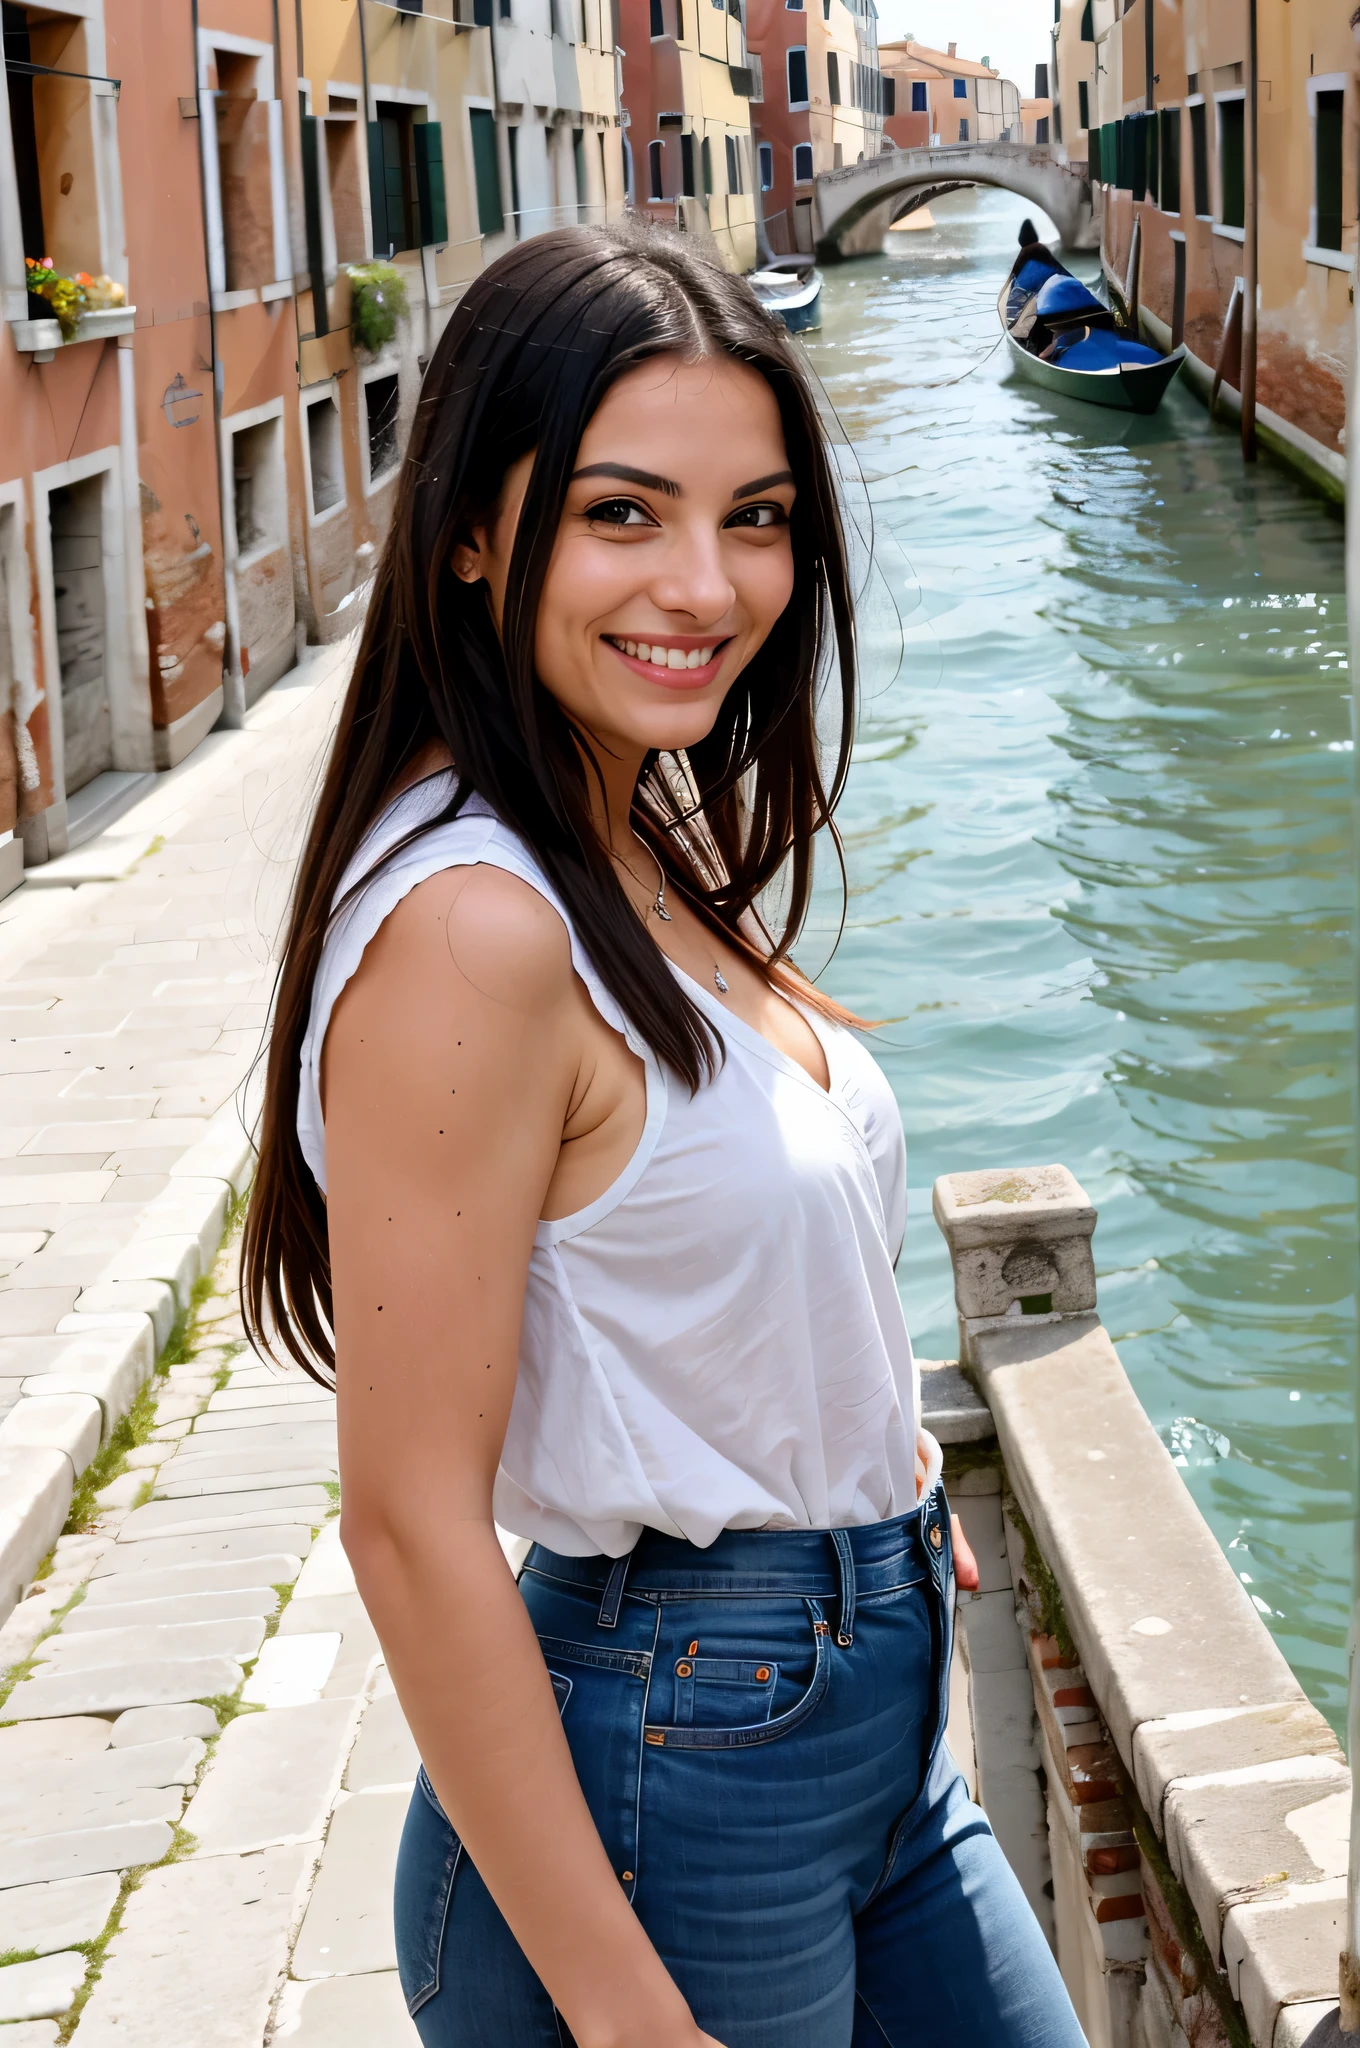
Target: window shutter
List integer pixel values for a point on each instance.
(833, 78)
(487, 171)
(434, 217)
(798, 78)
(1329, 184)
(311, 214)
(377, 191)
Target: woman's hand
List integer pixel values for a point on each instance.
(965, 1564)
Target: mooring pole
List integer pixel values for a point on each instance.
(1350, 1954)
(1249, 242)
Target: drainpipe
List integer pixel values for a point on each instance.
(1249, 248)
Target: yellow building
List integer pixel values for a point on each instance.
(687, 87)
(1174, 154)
(1071, 79)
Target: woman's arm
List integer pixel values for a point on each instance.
(453, 1061)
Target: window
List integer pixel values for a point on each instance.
(512, 148)
(244, 171)
(1232, 162)
(687, 166)
(1083, 103)
(578, 165)
(1170, 187)
(655, 172)
(706, 166)
(486, 171)
(960, 88)
(1088, 30)
(1199, 157)
(920, 96)
(733, 164)
(963, 131)
(658, 19)
(1327, 132)
(755, 65)
(794, 6)
(381, 416)
(798, 76)
(767, 167)
(391, 180)
(257, 490)
(1093, 164)
(888, 92)
(802, 163)
(324, 455)
(1040, 130)
(833, 78)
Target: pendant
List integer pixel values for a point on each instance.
(719, 982)
(660, 908)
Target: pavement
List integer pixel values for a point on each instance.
(203, 1766)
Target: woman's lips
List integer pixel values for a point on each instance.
(674, 666)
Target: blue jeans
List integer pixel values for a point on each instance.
(757, 1730)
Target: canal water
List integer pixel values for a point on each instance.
(1099, 846)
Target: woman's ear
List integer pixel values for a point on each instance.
(467, 562)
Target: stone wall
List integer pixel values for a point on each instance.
(1197, 1804)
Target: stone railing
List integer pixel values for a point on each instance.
(1196, 1804)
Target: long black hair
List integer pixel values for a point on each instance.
(535, 343)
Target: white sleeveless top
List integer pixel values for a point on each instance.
(717, 1341)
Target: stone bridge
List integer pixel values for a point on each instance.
(857, 204)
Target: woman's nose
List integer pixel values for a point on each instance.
(694, 580)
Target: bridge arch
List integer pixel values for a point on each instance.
(855, 205)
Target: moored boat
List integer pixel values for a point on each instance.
(1127, 387)
(792, 288)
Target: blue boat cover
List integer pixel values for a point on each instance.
(1099, 348)
(1063, 296)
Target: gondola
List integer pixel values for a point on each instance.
(1130, 387)
(790, 286)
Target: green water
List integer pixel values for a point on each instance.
(1101, 873)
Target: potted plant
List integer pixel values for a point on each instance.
(377, 301)
(70, 297)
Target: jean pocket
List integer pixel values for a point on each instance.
(738, 1702)
(427, 1864)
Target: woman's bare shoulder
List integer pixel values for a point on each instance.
(477, 934)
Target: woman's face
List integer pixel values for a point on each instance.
(673, 560)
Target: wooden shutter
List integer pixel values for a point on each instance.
(487, 171)
(377, 190)
(311, 214)
(434, 217)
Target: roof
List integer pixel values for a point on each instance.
(938, 61)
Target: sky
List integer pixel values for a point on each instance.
(1012, 33)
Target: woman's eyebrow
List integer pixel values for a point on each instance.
(764, 483)
(631, 476)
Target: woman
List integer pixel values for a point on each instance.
(611, 1201)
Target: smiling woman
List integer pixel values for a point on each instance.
(592, 1204)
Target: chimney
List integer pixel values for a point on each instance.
(952, 51)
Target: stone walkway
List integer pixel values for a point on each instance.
(203, 1768)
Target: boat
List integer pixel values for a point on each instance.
(790, 286)
(1127, 387)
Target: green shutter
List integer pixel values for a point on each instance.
(377, 191)
(487, 172)
(1093, 170)
(1232, 161)
(434, 216)
(311, 214)
(394, 175)
(1327, 169)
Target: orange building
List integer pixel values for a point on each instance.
(939, 97)
(1220, 179)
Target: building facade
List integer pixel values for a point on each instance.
(939, 97)
(822, 105)
(688, 82)
(1170, 149)
(229, 241)
(1072, 78)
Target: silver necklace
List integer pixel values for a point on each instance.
(658, 904)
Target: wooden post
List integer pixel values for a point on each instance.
(1249, 248)
(1228, 368)
(1131, 275)
(1178, 292)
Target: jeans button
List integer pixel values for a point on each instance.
(936, 1537)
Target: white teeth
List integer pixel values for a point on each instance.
(644, 652)
(630, 647)
(695, 658)
(675, 658)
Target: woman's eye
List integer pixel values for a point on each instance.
(758, 515)
(619, 512)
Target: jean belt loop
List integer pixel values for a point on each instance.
(612, 1598)
(845, 1572)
